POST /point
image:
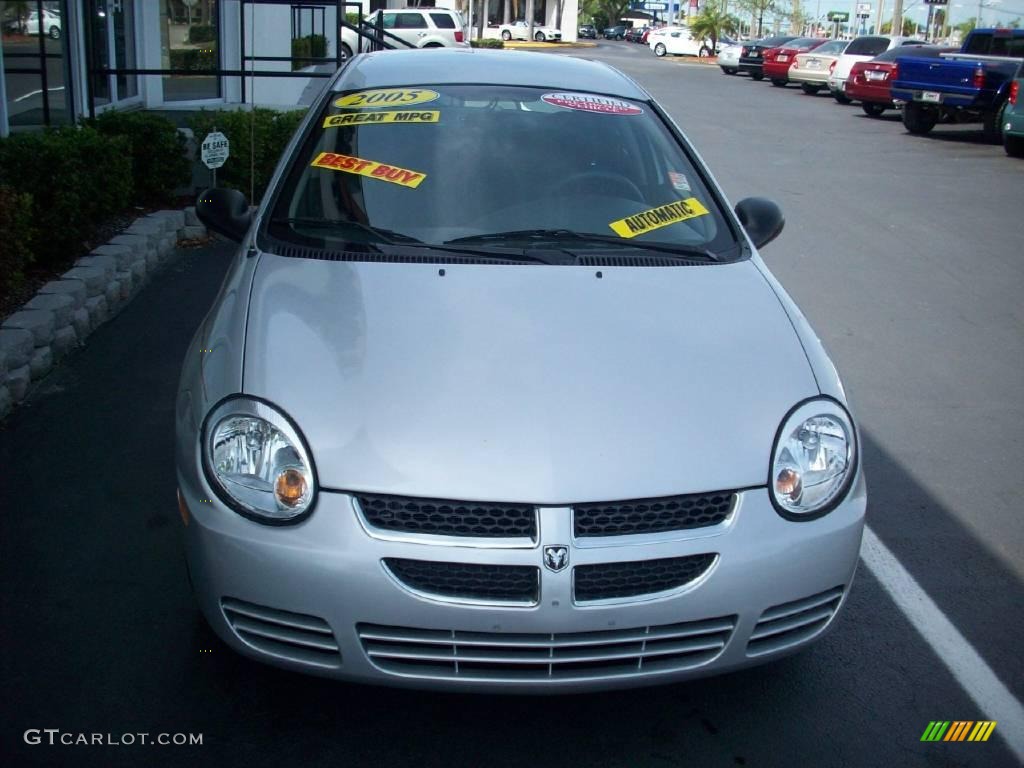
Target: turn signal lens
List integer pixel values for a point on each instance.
(788, 484)
(290, 488)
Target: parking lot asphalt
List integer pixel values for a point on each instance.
(903, 252)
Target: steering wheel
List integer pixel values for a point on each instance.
(599, 183)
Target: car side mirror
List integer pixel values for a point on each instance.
(761, 218)
(225, 211)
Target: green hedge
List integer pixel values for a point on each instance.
(193, 59)
(272, 131)
(486, 42)
(202, 33)
(310, 46)
(159, 164)
(18, 236)
(77, 178)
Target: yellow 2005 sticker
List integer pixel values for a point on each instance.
(376, 118)
(387, 97)
(370, 169)
(656, 218)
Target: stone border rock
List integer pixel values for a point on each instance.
(66, 310)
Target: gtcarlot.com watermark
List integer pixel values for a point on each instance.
(55, 736)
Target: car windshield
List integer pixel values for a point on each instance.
(437, 164)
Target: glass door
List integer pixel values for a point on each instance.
(112, 42)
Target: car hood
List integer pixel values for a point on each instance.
(526, 383)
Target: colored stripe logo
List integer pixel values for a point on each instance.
(958, 730)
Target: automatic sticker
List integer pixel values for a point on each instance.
(656, 218)
(387, 97)
(369, 168)
(591, 102)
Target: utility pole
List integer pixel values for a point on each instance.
(529, 19)
(897, 17)
(878, 21)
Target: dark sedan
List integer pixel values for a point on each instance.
(752, 54)
(614, 33)
(587, 32)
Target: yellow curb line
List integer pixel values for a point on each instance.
(525, 44)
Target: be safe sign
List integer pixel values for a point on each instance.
(214, 150)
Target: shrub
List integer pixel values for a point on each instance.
(486, 42)
(77, 179)
(16, 243)
(159, 164)
(310, 46)
(193, 59)
(202, 33)
(272, 131)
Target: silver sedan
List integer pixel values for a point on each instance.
(453, 422)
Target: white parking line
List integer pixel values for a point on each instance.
(970, 670)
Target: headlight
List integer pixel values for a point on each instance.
(258, 462)
(814, 459)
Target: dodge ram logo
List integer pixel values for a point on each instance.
(556, 557)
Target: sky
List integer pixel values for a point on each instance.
(993, 11)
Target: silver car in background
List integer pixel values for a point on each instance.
(458, 422)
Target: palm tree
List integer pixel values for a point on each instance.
(711, 23)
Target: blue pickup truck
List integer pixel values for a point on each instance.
(969, 86)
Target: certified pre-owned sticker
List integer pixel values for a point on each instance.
(376, 118)
(656, 218)
(369, 168)
(591, 102)
(387, 97)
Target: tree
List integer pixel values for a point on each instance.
(966, 27)
(756, 9)
(712, 23)
(909, 27)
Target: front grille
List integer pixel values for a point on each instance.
(449, 518)
(642, 577)
(470, 581)
(793, 623)
(669, 513)
(295, 636)
(495, 656)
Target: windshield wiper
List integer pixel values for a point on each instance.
(389, 237)
(687, 252)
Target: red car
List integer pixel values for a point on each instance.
(777, 61)
(869, 81)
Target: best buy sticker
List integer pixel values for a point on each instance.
(591, 102)
(376, 118)
(369, 168)
(387, 97)
(656, 218)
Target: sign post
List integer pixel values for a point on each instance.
(214, 151)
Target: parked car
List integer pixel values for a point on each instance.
(520, 30)
(614, 33)
(1013, 117)
(647, 33)
(870, 81)
(677, 41)
(752, 54)
(811, 69)
(861, 49)
(777, 61)
(587, 32)
(417, 27)
(49, 25)
(970, 86)
(729, 58)
(364, 459)
(633, 34)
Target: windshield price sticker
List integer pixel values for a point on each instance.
(387, 97)
(376, 118)
(590, 102)
(369, 168)
(656, 218)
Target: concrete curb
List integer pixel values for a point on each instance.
(66, 310)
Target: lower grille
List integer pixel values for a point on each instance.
(670, 513)
(793, 623)
(294, 636)
(492, 656)
(469, 581)
(449, 518)
(606, 581)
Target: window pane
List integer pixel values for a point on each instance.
(189, 41)
(411, 21)
(443, 21)
(28, 95)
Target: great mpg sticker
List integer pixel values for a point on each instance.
(376, 118)
(369, 168)
(656, 218)
(387, 97)
(591, 102)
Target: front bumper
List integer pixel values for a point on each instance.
(837, 85)
(327, 572)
